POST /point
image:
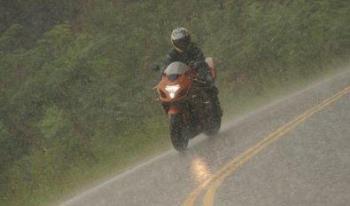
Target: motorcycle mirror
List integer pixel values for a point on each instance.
(155, 67)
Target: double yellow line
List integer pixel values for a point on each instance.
(214, 182)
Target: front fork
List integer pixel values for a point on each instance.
(185, 113)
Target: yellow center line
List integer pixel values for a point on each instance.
(216, 180)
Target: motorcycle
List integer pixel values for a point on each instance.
(190, 109)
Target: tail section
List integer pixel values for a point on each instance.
(210, 62)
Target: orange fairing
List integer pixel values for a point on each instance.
(176, 84)
(174, 90)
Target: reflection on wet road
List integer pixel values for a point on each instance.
(199, 169)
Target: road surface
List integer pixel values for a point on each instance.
(294, 151)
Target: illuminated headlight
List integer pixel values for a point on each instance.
(172, 89)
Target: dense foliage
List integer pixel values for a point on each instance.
(76, 91)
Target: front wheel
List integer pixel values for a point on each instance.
(178, 135)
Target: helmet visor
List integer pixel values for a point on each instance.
(181, 44)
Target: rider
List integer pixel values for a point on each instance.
(187, 52)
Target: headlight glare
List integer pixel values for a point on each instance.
(172, 89)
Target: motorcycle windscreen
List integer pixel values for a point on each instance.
(176, 68)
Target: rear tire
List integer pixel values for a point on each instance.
(215, 121)
(214, 127)
(178, 135)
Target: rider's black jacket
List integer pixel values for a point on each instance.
(193, 56)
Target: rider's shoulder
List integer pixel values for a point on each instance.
(172, 53)
(194, 47)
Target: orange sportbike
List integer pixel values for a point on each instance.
(191, 109)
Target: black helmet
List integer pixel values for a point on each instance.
(181, 38)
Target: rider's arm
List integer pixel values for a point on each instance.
(200, 64)
(169, 58)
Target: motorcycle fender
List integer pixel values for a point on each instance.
(173, 110)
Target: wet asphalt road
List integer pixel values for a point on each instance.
(309, 165)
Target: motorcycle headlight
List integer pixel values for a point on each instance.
(172, 89)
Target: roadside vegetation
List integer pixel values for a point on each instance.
(76, 99)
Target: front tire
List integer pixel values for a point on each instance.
(178, 135)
